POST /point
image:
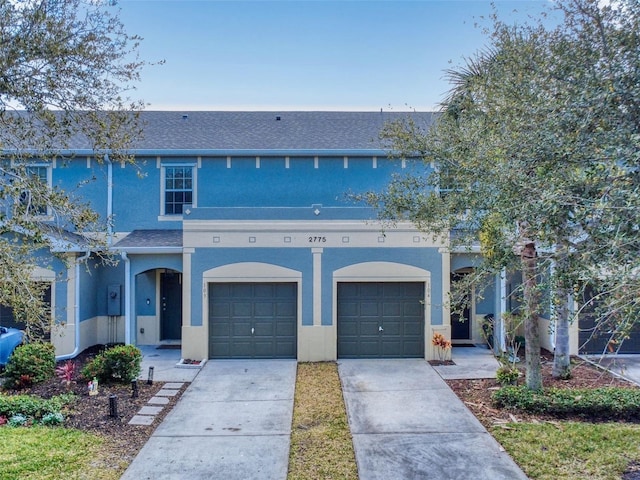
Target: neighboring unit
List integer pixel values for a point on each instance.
(238, 237)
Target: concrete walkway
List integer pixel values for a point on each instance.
(407, 423)
(232, 423)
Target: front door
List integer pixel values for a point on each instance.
(170, 306)
(461, 314)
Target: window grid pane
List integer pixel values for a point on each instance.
(178, 189)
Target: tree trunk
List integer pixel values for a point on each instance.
(531, 297)
(561, 358)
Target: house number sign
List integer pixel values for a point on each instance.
(315, 239)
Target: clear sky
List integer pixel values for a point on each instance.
(307, 54)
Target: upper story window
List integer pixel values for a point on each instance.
(178, 188)
(38, 175)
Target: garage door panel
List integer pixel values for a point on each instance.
(241, 290)
(392, 290)
(368, 290)
(253, 320)
(264, 309)
(391, 309)
(285, 329)
(364, 307)
(414, 290)
(369, 309)
(220, 328)
(412, 308)
(220, 309)
(349, 309)
(368, 348)
(413, 349)
(413, 328)
(241, 349)
(264, 290)
(241, 309)
(285, 350)
(368, 327)
(391, 328)
(240, 328)
(349, 329)
(285, 290)
(390, 348)
(285, 309)
(264, 329)
(219, 349)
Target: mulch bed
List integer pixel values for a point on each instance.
(91, 413)
(476, 394)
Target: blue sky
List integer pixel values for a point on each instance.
(307, 55)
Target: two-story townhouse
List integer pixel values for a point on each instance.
(237, 238)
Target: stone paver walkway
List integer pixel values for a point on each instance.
(155, 405)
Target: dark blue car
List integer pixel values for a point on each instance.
(10, 338)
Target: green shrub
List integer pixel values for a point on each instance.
(606, 402)
(31, 406)
(29, 364)
(507, 375)
(52, 419)
(120, 364)
(17, 421)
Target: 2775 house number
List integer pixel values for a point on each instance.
(314, 239)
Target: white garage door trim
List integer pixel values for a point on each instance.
(383, 272)
(249, 272)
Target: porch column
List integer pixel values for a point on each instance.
(186, 286)
(317, 286)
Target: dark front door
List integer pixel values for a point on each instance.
(461, 313)
(170, 306)
(381, 320)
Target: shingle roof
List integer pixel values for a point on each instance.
(263, 130)
(151, 239)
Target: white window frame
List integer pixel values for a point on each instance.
(46, 215)
(163, 182)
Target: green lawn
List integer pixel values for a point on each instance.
(570, 450)
(50, 453)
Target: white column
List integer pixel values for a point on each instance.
(317, 286)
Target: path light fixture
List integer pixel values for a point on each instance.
(134, 388)
(113, 405)
(150, 376)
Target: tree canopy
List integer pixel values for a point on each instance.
(66, 70)
(536, 153)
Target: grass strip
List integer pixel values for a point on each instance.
(45, 453)
(571, 450)
(321, 445)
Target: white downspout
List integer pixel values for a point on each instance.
(503, 309)
(76, 349)
(109, 200)
(127, 293)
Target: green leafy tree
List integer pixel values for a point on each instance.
(66, 67)
(536, 156)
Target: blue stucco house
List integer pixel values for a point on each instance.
(237, 238)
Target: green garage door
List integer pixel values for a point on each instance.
(252, 320)
(381, 320)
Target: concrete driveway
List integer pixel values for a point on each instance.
(407, 423)
(232, 423)
(626, 365)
